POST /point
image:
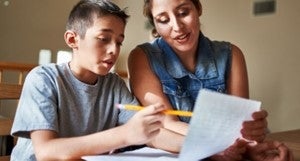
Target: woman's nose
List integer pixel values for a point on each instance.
(177, 25)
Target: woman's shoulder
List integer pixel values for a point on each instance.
(226, 47)
(138, 54)
(151, 46)
(220, 44)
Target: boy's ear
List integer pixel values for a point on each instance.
(71, 39)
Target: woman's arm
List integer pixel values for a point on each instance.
(237, 84)
(270, 151)
(147, 88)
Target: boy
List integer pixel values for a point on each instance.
(67, 110)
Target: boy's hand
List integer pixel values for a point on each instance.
(270, 151)
(256, 129)
(144, 125)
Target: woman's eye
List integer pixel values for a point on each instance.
(162, 20)
(183, 12)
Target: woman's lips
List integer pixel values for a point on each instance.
(182, 38)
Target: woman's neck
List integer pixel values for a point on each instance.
(188, 59)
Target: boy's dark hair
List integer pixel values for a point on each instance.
(82, 15)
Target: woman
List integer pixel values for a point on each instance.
(181, 61)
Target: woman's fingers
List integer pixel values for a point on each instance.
(256, 128)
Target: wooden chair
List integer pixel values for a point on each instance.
(10, 90)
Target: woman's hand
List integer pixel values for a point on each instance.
(234, 153)
(269, 151)
(256, 129)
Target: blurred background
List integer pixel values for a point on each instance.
(32, 31)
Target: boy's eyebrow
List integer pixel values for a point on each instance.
(111, 31)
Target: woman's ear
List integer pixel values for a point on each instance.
(71, 39)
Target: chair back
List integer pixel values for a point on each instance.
(10, 90)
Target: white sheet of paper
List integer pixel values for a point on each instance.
(216, 124)
(143, 154)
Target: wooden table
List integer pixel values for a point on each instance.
(290, 138)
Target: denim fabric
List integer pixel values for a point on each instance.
(182, 86)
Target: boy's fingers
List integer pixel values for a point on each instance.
(154, 126)
(153, 133)
(154, 118)
(152, 109)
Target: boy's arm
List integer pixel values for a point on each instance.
(146, 124)
(48, 146)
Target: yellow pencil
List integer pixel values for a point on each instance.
(168, 112)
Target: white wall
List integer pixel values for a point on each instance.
(28, 26)
(271, 47)
(135, 33)
(270, 44)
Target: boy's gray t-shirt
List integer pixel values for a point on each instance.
(53, 99)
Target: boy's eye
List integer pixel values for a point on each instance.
(119, 43)
(103, 39)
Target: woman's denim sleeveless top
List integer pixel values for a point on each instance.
(182, 86)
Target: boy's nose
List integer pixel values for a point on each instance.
(113, 49)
